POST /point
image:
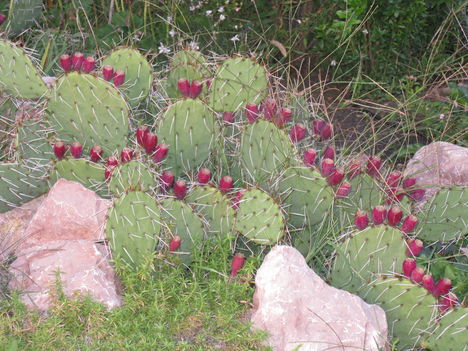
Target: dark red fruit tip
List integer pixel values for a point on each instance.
(184, 87)
(167, 179)
(141, 134)
(150, 143)
(361, 220)
(107, 72)
(126, 154)
(204, 175)
(226, 183)
(251, 112)
(343, 190)
(66, 62)
(180, 189)
(237, 263)
(379, 213)
(297, 133)
(77, 61)
(309, 157)
(394, 216)
(409, 265)
(96, 153)
(415, 248)
(175, 243)
(327, 167)
(60, 149)
(196, 88)
(119, 78)
(76, 149)
(160, 153)
(89, 64)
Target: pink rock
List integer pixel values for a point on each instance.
(296, 307)
(83, 269)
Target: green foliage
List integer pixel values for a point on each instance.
(22, 15)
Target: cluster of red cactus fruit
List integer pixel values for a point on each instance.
(189, 89)
(397, 188)
(79, 63)
(392, 217)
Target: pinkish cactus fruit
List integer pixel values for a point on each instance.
(394, 215)
(3, 18)
(373, 165)
(150, 143)
(107, 72)
(66, 62)
(77, 61)
(180, 189)
(309, 157)
(417, 274)
(379, 213)
(409, 265)
(297, 133)
(336, 177)
(394, 195)
(208, 83)
(229, 117)
(361, 220)
(447, 301)
(96, 153)
(175, 243)
(415, 248)
(204, 175)
(327, 167)
(318, 126)
(108, 173)
(251, 112)
(167, 179)
(226, 183)
(409, 224)
(269, 108)
(76, 149)
(284, 116)
(141, 134)
(442, 287)
(409, 182)
(184, 87)
(126, 154)
(60, 149)
(237, 263)
(417, 194)
(160, 152)
(343, 190)
(329, 153)
(428, 283)
(354, 168)
(119, 78)
(326, 132)
(237, 198)
(89, 64)
(393, 179)
(195, 89)
(112, 161)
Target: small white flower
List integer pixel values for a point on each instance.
(163, 49)
(208, 12)
(193, 45)
(193, 8)
(235, 38)
(221, 9)
(365, 31)
(169, 18)
(237, 9)
(333, 63)
(299, 21)
(442, 116)
(222, 17)
(172, 33)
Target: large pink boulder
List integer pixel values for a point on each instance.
(297, 308)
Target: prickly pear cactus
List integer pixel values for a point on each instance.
(88, 109)
(188, 128)
(259, 218)
(214, 207)
(306, 196)
(237, 82)
(33, 144)
(445, 215)
(366, 193)
(19, 77)
(265, 151)
(181, 221)
(131, 176)
(132, 227)
(138, 73)
(22, 15)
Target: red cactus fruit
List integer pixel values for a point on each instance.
(394, 215)
(195, 89)
(394, 195)
(329, 152)
(318, 125)
(89, 64)
(77, 61)
(237, 263)
(208, 83)
(204, 175)
(112, 161)
(175, 243)
(417, 274)
(126, 154)
(417, 194)
(442, 287)
(354, 168)
(3, 18)
(76, 149)
(66, 62)
(237, 198)
(251, 112)
(447, 301)
(361, 220)
(107, 72)
(327, 167)
(160, 152)
(184, 87)
(180, 189)
(309, 157)
(373, 165)
(415, 248)
(150, 142)
(119, 78)
(285, 115)
(409, 224)
(167, 179)
(96, 153)
(60, 149)
(343, 190)
(409, 265)
(393, 179)
(409, 182)
(226, 184)
(336, 177)
(428, 282)
(297, 133)
(108, 173)
(229, 117)
(379, 213)
(141, 134)
(269, 108)
(326, 132)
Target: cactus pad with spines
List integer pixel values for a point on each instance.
(214, 207)
(33, 141)
(22, 15)
(445, 216)
(133, 176)
(306, 196)
(181, 221)
(188, 127)
(138, 73)
(365, 194)
(89, 109)
(19, 77)
(259, 218)
(265, 151)
(133, 226)
(188, 57)
(237, 82)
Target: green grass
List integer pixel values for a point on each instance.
(165, 307)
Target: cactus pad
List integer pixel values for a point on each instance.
(259, 218)
(131, 176)
(19, 77)
(23, 14)
(88, 109)
(138, 73)
(132, 227)
(237, 82)
(33, 141)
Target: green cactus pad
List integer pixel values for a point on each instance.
(188, 128)
(188, 57)
(445, 216)
(20, 184)
(90, 110)
(259, 218)
(265, 151)
(19, 77)
(89, 174)
(215, 208)
(138, 73)
(133, 226)
(182, 221)
(450, 333)
(366, 254)
(410, 310)
(131, 176)
(33, 141)
(306, 196)
(237, 82)
(365, 194)
(22, 15)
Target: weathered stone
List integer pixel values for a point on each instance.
(296, 307)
